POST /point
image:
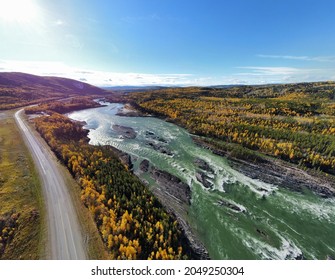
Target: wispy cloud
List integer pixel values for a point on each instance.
(301, 58)
(270, 71)
(100, 78)
(263, 75)
(59, 22)
(240, 75)
(149, 18)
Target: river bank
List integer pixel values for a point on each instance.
(176, 198)
(173, 194)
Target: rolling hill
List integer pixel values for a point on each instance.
(20, 89)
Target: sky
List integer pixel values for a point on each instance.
(170, 42)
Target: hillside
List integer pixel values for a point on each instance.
(20, 89)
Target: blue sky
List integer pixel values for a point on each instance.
(169, 42)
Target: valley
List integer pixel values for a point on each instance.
(243, 172)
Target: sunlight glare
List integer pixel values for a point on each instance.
(21, 11)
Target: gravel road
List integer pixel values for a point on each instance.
(64, 232)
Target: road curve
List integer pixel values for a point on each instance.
(64, 230)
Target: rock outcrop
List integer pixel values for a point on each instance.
(278, 172)
(202, 164)
(204, 180)
(283, 175)
(153, 136)
(123, 157)
(144, 165)
(204, 171)
(176, 198)
(124, 131)
(159, 147)
(172, 185)
(231, 206)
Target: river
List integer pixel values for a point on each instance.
(266, 222)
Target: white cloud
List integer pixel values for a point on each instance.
(100, 78)
(244, 75)
(270, 71)
(263, 75)
(34, 67)
(301, 58)
(59, 22)
(147, 18)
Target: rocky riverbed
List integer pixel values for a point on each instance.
(175, 195)
(129, 111)
(280, 173)
(124, 131)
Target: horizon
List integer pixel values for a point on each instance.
(168, 43)
(173, 86)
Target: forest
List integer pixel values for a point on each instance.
(293, 122)
(72, 104)
(132, 222)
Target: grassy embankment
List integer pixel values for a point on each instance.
(21, 212)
